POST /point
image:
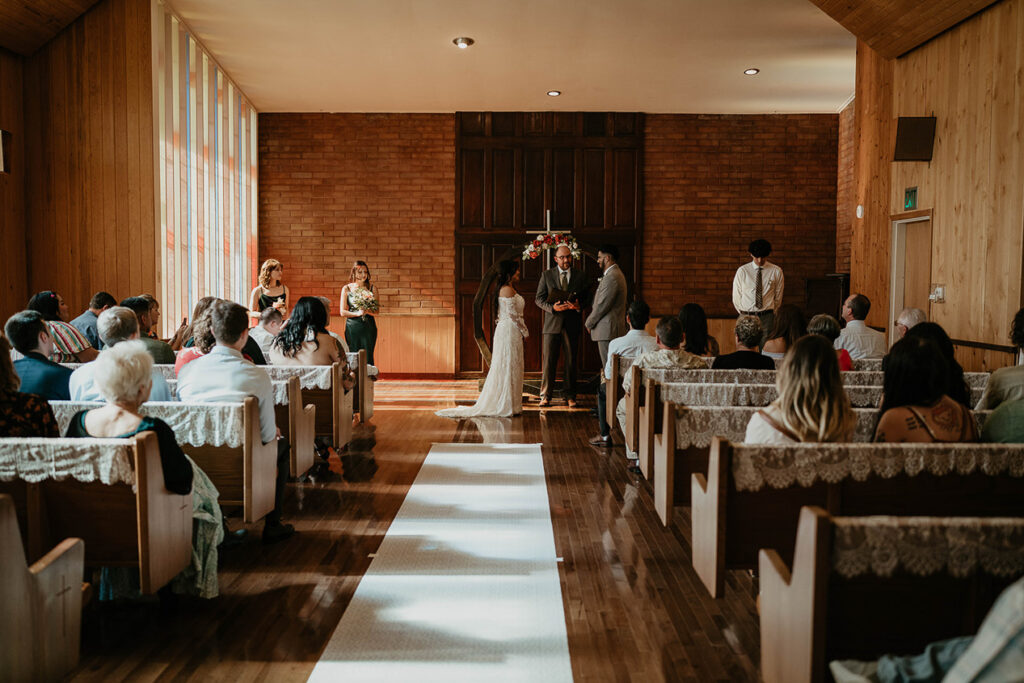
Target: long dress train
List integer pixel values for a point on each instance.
(502, 395)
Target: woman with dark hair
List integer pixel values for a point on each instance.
(502, 395)
(916, 406)
(696, 339)
(69, 345)
(788, 327)
(359, 305)
(956, 387)
(21, 414)
(305, 339)
(1007, 384)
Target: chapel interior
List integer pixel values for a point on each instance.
(170, 147)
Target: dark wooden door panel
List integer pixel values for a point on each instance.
(503, 189)
(471, 189)
(534, 195)
(593, 189)
(563, 196)
(624, 185)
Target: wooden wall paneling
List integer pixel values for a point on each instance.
(13, 186)
(969, 79)
(983, 360)
(415, 344)
(895, 27)
(27, 26)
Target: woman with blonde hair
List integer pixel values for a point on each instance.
(269, 291)
(812, 405)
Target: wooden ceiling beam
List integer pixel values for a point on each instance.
(895, 27)
(27, 25)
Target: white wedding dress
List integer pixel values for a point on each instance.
(502, 395)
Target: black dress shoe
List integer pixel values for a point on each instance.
(234, 538)
(634, 467)
(601, 441)
(272, 533)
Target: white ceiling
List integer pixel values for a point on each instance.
(669, 56)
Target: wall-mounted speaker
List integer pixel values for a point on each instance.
(915, 136)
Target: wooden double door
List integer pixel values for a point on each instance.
(521, 172)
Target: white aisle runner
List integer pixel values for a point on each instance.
(465, 584)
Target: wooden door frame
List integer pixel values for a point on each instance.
(898, 250)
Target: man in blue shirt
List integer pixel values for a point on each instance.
(29, 335)
(224, 375)
(86, 323)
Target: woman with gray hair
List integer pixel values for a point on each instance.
(122, 375)
(828, 327)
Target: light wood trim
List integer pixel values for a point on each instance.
(633, 397)
(259, 461)
(164, 519)
(613, 391)
(344, 406)
(665, 465)
(416, 344)
(365, 388)
(708, 497)
(301, 429)
(793, 604)
(646, 420)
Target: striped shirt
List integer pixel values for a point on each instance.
(67, 342)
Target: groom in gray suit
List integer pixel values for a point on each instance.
(562, 323)
(607, 321)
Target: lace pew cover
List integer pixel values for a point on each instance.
(922, 546)
(714, 394)
(868, 364)
(280, 391)
(195, 424)
(696, 425)
(755, 467)
(353, 363)
(108, 461)
(310, 376)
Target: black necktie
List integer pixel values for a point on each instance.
(758, 295)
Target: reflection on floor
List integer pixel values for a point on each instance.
(634, 609)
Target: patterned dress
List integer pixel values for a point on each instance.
(26, 415)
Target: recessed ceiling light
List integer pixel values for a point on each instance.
(462, 42)
(554, 93)
(751, 71)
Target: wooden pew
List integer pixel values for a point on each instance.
(752, 495)
(322, 387)
(827, 607)
(223, 439)
(364, 385)
(61, 496)
(41, 617)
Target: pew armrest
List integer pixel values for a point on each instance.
(57, 609)
(259, 465)
(664, 466)
(707, 498)
(164, 520)
(301, 429)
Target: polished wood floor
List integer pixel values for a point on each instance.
(635, 610)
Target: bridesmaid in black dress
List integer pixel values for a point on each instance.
(359, 306)
(270, 292)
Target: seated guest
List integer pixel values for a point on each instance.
(21, 414)
(857, 338)
(696, 339)
(28, 333)
(86, 323)
(828, 327)
(907, 318)
(634, 343)
(161, 351)
(812, 405)
(789, 326)
(1005, 424)
(347, 372)
(123, 377)
(915, 404)
(1007, 384)
(304, 340)
(69, 345)
(956, 386)
(994, 655)
(192, 348)
(178, 339)
(201, 307)
(224, 375)
(342, 344)
(116, 325)
(748, 338)
(667, 355)
(268, 328)
(202, 341)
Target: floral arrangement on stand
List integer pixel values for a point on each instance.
(364, 300)
(547, 241)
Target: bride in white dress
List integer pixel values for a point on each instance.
(502, 395)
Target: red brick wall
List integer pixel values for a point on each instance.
(845, 190)
(714, 183)
(375, 187)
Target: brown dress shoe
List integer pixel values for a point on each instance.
(544, 402)
(601, 441)
(571, 402)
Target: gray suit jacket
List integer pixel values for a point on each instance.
(607, 320)
(556, 321)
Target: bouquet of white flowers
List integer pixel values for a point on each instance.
(364, 300)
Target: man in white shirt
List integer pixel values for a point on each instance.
(268, 328)
(757, 286)
(634, 343)
(224, 375)
(859, 340)
(114, 325)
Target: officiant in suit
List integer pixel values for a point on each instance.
(563, 323)
(607, 321)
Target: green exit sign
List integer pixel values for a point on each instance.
(910, 199)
